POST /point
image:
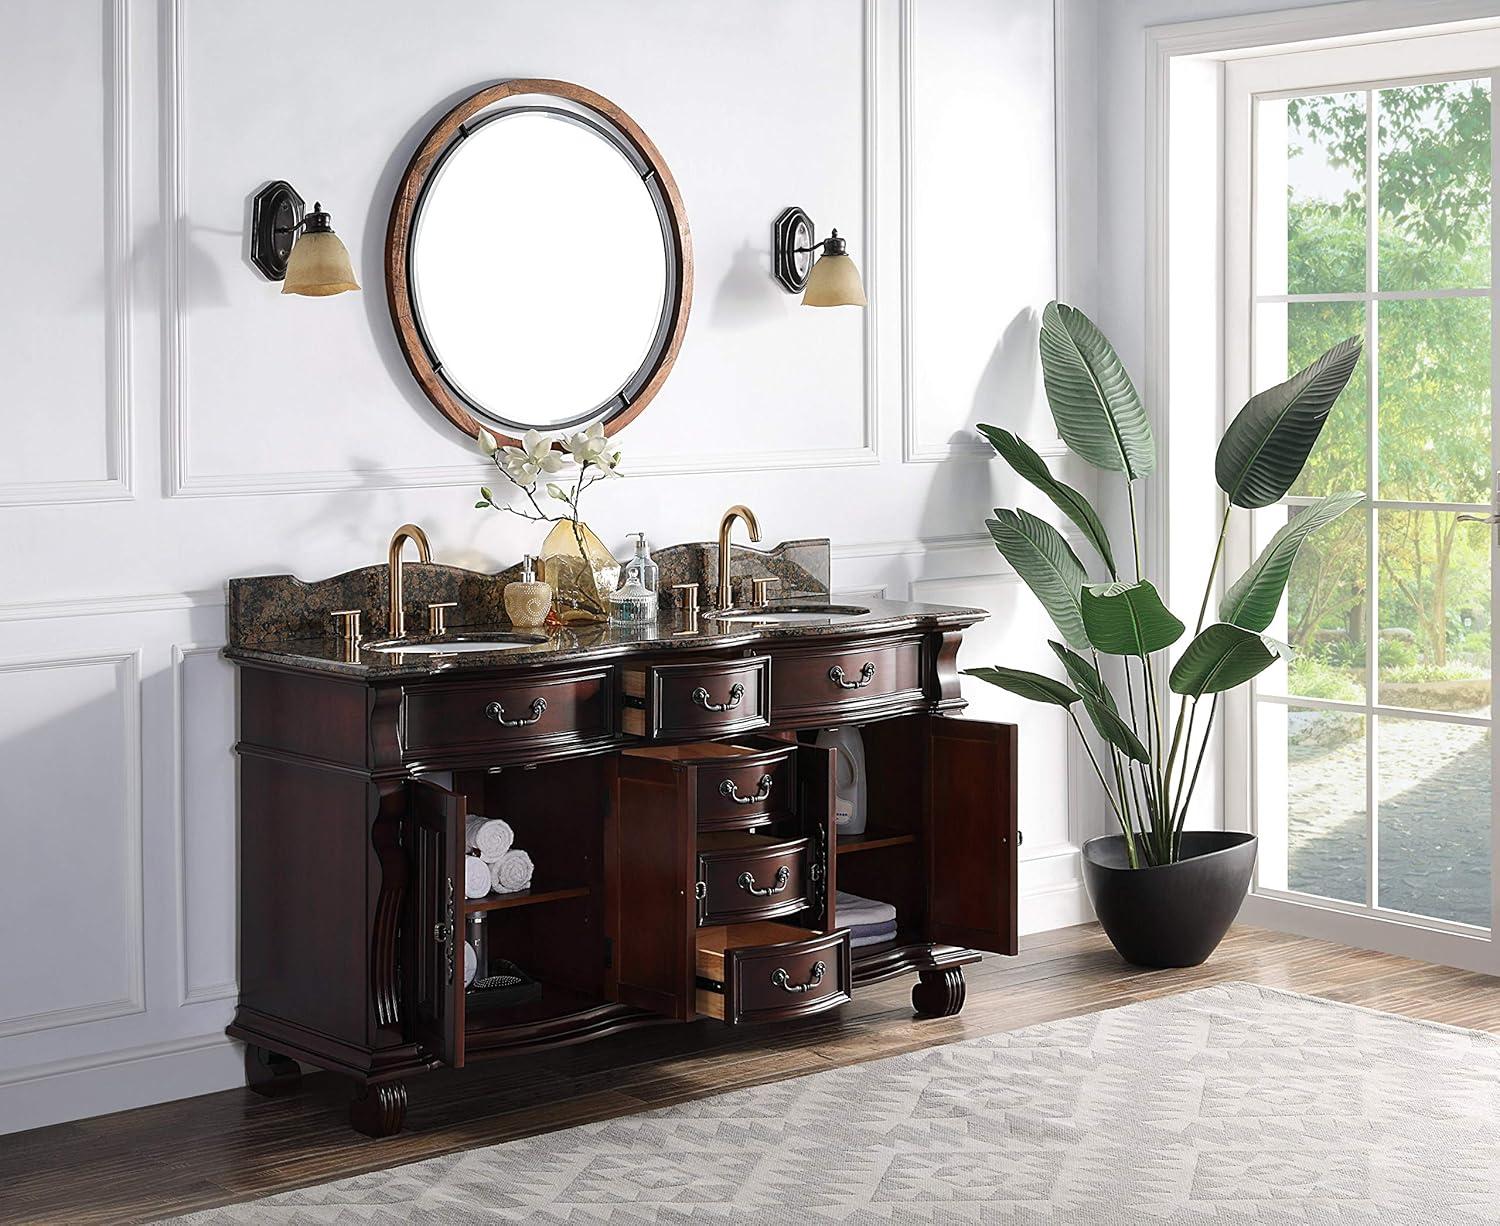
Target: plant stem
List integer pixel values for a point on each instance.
(1213, 570)
(1193, 783)
(1135, 536)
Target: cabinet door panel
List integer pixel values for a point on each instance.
(651, 871)
(437, 853)
(815, 777)
(971, 833)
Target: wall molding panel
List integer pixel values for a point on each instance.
(132, 920)
(118, 483)
(183, 482)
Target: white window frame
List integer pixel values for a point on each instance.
(1209, 69)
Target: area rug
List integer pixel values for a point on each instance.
(1233, 1104)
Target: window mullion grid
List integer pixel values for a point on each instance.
(1372, 483)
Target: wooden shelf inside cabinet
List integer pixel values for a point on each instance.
(872, 839)
(524, 898)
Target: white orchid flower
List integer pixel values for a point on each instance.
(535, 456)
(487, 442)
(586, 446)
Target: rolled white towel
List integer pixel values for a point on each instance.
(471, 963)
(476, 877)
(512, 872)
(490, 836)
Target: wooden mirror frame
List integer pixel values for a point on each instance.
(424, 163)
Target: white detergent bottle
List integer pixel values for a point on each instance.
(849, 777)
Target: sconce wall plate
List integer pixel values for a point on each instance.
(273, 227)
(791, 230)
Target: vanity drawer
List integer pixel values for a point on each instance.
(765, 972)
(751, 877)
(731, 785)
(512, 713)
(812, 686)
(696, 698)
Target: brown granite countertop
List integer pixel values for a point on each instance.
(583, 643)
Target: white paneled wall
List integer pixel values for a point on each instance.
(168, 420)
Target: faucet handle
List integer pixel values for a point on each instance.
(688, 601)
(761, 590)
(346, 624)
(437, 617)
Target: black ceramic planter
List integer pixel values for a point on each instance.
(1175, 914)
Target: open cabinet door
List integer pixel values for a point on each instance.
(651, 871)
(971, 833)
(437, 855)
(815, 776)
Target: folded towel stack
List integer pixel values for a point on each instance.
(471, 963)
(869, 921)
(494, 862)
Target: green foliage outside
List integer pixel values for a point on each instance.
(1433, 363)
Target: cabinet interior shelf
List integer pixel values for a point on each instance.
(872, 839)
(524, 898)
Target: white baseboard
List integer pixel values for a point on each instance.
(1054, 906)
(117, 1081)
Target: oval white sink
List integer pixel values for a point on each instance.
(449, 647)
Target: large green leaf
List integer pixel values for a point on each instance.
(1046, 564)
(1114, 729)
(1266, 445)
(1084, 676)
(1094, 403)
(1224, 656)
(1035, 686)
(1128, 619)
(1251, 602)
(1020, 456)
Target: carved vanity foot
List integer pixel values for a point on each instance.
(378, 1110)
(270, 1073)
(939, 993)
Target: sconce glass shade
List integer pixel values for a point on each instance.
(318, 266)
(833, 281)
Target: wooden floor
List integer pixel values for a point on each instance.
(157, 1161)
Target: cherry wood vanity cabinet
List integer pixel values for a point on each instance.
(666, 785)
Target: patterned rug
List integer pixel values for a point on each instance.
(1234, 1104)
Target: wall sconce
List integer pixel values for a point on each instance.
(302, 252)
(832, 281)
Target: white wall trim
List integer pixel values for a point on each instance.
(108, 606)
(189, 993)
(118, 483)
(132, 866)
(182, 482)
(913, 449)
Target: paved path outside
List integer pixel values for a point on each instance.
(1434, 817)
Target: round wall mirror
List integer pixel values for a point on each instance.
(538, 263)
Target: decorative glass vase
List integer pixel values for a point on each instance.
(581, 570)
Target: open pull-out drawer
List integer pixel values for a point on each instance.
(764, 972)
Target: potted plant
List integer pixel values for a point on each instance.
(1165, 895)
(581, 570)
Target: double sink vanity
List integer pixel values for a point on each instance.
(663, 777)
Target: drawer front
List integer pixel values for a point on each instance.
(752, 883)
(697, 698)
(736, 792)
(465, 717)
(838, 681)
(774, 982)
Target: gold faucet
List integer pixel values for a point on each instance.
(738, 511)
(406, 532)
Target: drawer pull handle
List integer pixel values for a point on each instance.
(700, 697)
(496, 712)
(727, 789)
(784, 981)
(747, 883)
(866, 675)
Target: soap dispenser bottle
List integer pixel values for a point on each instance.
(528, 600)
(635, 602)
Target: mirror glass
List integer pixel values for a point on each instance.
(542, 267)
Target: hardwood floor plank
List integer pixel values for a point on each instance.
(176, 1157)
